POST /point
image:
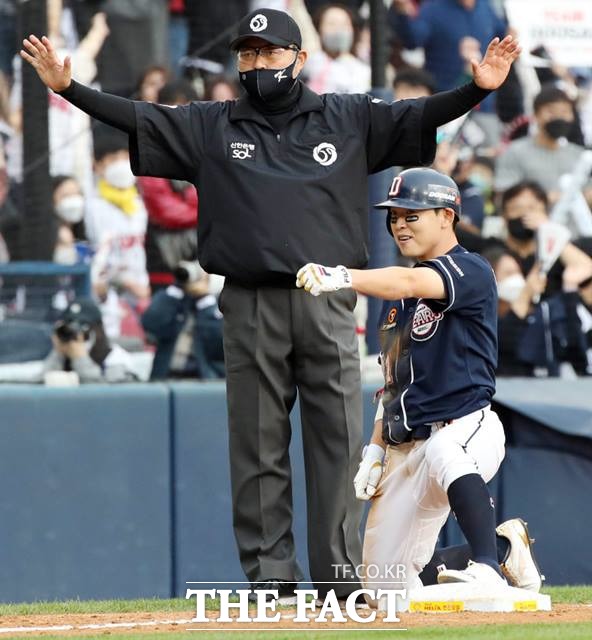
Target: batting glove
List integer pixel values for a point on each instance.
(369, 472)
(316, 279)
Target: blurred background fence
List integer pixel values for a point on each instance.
(123, 492)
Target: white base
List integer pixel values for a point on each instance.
(454, 597)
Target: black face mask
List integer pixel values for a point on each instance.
(268, 84)
(517, 230)
(558, 128)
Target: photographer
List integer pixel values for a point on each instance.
(185, 324)
(80, 345)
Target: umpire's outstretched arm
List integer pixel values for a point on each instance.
(57, 75)
(119, 112)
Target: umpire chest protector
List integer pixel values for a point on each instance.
(270, 202)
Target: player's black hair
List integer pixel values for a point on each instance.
(526, 185)
(548, 95)
(416, 78)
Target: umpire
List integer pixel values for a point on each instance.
(282, 179)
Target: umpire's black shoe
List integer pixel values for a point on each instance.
(286, 595)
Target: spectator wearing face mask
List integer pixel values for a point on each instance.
(544, 155)
(116, 223)
(481, 171)
(515, 296)
(335, 68)
(548, 338)
(524, 208)
(68, 205)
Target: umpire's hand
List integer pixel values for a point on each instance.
(54, 73)
(369, 473)
(493, 69)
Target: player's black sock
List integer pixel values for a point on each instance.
(472, 505)
(456, 557)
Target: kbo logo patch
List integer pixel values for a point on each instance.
(258, 23)
(325, 153)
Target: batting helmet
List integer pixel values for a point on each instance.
(421, 188)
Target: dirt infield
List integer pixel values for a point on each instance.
(175, 622)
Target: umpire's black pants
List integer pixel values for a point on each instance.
(275, 342)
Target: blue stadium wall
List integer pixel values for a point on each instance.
(123, 491)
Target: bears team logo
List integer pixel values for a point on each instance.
(325, 153)
(258, 23)
(425, 322)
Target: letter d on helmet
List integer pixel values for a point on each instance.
(421, 188)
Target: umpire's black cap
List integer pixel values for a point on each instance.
(276, 27)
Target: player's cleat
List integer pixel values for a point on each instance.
(475, 572)
(286, 595)
(519, 566)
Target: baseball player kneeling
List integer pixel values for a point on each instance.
(436, 441)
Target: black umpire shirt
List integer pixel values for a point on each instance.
(270, 202)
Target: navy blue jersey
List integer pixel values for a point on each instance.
(439, 356)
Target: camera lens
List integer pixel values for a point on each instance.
(181, 275)
(66, 331)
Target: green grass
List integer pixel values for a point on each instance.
(577, 594)
(95, 606)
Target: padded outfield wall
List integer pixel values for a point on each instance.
(123, 491)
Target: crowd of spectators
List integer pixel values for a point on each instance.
(521, 161)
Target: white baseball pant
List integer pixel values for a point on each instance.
(410, 505)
